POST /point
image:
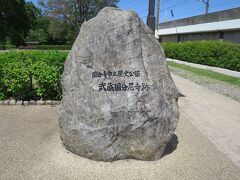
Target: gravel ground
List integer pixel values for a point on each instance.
(217, 86)
(31, 149)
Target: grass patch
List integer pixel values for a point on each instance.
(207, 73)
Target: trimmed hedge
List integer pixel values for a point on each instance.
(31, 74)
(7, 47)
(212, 53)
(54, 47)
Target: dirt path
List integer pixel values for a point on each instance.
(215, 115)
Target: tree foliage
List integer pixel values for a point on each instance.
(56, 22)
(71, 14)
(40, 32)
(16, 19)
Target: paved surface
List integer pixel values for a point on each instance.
(217, 86)
(217, 116)
(30, 148)
(215, 69)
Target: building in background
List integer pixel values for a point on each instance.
(221, 25)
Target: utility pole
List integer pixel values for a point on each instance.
(158, 13)
(151, 18)
(207, 4)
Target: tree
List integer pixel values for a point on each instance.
(40, 31)
(16, 19)
(72, 13)
(38, 35)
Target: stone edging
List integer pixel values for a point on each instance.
(31, 102)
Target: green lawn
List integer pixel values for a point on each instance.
(207, 73)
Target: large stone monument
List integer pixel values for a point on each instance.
(119, 100)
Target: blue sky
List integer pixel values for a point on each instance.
(181, 8)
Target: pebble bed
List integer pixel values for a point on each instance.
(13, 102)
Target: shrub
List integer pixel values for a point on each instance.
(54, 47)
(47, 80)
(31, 74)
(7, 47)
(212, 53)
(15, 76)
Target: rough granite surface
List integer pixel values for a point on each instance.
(112, 125)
